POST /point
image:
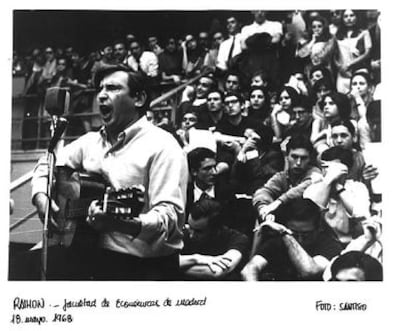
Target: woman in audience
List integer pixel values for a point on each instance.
(335, 106)
(192, 56)
(318, 47)
(259, 105)
(352, 49)
(283, 111)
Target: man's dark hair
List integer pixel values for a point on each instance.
(217, 91)
(299, 209)
(118, 42)
(300, 141)
(263, 75)
(214, 84)
(198, 155)
(207, 207)
(137, 81)
(232, 73)
(134, 41)
(371, 267)
(346, 123)
(235, 94)
(304, 102)
(338, 153)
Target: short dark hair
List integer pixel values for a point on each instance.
(119, 42)
(232, 73)
(134, 41)
(198, 155)
(235, 94)
(217, 91)
(371, 267)
(137, 81)
(263, 75)
(304, 102)
(339, 153)
(207, 207)
(300, 141)
(214, 84)
(299, 209)
(346, 123)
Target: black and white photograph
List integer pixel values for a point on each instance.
(174, 152)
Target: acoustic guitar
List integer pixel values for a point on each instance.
(74, 193)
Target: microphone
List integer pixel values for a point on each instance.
(57, 100)
(61, 124)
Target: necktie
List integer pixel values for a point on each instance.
(231, 49)
(203, 196)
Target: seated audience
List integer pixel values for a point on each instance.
(297, 246)
(212, 251)
(345, 202)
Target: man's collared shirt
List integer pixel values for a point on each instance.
(142, 155)
(224, 50)
(271, 27)
(198, 192)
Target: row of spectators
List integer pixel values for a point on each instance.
(339, 41)
(284, 175)
(281, 131)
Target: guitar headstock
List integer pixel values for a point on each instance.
(125, 202)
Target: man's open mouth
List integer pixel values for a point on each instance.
(106, 112)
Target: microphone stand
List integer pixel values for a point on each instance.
(57, 127)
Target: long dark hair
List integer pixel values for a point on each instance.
(356, 29)
(342, 103)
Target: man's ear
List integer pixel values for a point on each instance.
(140, 99)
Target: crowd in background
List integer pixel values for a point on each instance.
(281, 132)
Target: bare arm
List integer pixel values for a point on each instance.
(306, 265)
(210, 267)
(320, 192)
(253, 268)
(367, 49)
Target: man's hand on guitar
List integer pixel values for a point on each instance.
(40, 201)
(99, 220)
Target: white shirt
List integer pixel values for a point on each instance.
(198, 192)
(143, 154)
(335, 213)
(224, 50)
(271, 27)
(148, 62)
